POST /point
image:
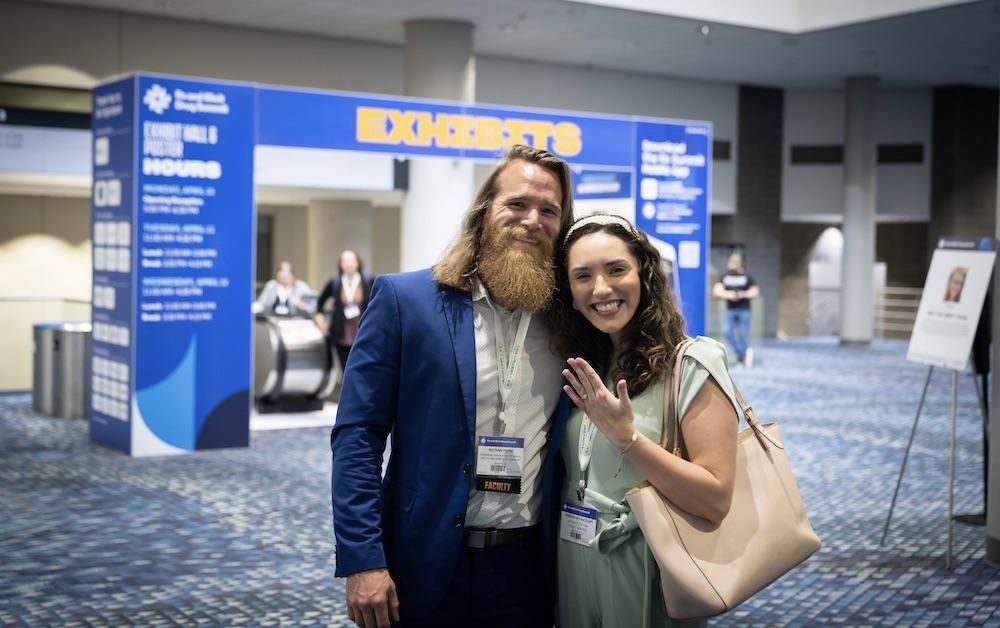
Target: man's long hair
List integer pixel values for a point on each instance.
(460, 263)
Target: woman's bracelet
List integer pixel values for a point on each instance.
(635, 437)
(621, 459)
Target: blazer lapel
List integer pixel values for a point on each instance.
(458, 312)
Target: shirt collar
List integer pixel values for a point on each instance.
(479, 292)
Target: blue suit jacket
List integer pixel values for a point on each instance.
(412, 372)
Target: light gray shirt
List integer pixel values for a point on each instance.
(531, 402)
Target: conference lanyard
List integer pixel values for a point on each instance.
(585, 449)
(350, 286)
(508, 359)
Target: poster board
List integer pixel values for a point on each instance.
(953, 297)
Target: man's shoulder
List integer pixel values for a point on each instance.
(417, 281)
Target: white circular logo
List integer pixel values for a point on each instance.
(157, 98)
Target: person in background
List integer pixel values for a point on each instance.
(285, 295)
(455, 363)
(737, 288)
(349, 290)
(617, 317)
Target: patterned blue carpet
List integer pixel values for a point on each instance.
(89, 537)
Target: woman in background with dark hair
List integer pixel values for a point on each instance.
(615, 315)
(349, 290)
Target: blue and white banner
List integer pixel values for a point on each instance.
(671, 206)
(112, 367)
(194, 264)
(179, 256)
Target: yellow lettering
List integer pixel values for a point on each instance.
(436, 128)
(489, 133)
(540, 130)
(463, 127)
(568, 140)
(402, 127)
(371, 125)
(515, 131)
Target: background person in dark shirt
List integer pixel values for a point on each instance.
(737, 288)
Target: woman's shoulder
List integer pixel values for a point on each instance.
(709, 352)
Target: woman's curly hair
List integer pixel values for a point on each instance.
(650, 338)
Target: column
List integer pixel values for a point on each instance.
(861, 129)
(993, 494)
(440, 64)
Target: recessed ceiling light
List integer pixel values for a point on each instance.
(705, 29)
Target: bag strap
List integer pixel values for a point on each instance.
(671, 404)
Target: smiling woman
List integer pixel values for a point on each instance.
(614, 309)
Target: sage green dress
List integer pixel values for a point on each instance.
(614, 582)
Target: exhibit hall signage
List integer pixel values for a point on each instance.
(173, 229)
(173, 224)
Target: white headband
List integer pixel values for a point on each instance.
(601, 219)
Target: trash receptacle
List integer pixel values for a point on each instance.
(59, 372)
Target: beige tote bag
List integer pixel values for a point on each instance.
(708, 569)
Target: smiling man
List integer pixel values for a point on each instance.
(455, 364)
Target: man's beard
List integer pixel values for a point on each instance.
(515, 278)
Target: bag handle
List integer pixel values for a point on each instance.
(671, 405)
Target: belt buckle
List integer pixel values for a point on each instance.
(477, 539)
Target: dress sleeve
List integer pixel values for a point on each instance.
(705, 358)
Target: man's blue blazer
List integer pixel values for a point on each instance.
(412, 372)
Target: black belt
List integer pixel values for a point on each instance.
(492, 537)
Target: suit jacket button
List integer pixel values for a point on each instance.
(459, 520)
(466, 468)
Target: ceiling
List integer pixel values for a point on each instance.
(954, 44)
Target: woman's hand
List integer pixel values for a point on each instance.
(612, 415)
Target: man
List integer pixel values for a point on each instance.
(453, 363)
(737, 288)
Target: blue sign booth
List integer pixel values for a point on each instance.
(173, 224)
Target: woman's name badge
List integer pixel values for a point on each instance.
(578, 523)
(499, 464)
(351, 311)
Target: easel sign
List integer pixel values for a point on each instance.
(953, 297)
(942, 336)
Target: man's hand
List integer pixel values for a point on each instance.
(371, 598)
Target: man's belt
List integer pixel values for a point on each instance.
(492, 537)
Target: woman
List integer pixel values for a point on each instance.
(956, 281)
(349, 290)
(285, 295)
(616, 313)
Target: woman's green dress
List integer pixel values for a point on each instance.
(614, 582)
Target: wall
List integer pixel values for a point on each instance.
(83, 46)
(816, 192)
(758, 223)
(44, 274)
(798, 240)
(963, 202)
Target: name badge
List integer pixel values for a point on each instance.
(578, 523)
(351, 311)
(499, 464)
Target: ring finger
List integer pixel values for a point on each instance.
(586, 385)
(575, 383)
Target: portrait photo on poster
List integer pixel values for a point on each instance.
(956, 281)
